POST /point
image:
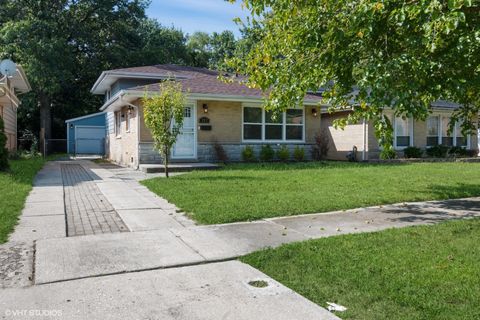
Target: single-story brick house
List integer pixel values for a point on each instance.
(10, 87)
(232, 115)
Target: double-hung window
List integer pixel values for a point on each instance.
(403, 131)
(118, 123)
(447, 139)
(260, 125)
(127, 121)
(433, 128)
(460, 140)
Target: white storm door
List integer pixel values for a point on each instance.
(185, 147)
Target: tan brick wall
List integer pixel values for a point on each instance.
(313, 125)
(123, 148)
(341, 142)
(225, 119)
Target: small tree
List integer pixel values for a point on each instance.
(3, 147)
(164, 117)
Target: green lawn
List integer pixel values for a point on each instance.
(252, 191)
(411, 273)
(14, 188)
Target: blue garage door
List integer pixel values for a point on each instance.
(90, 140)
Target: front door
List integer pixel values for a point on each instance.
(185, 147)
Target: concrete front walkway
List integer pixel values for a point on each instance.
(159, 236)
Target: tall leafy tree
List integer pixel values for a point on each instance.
(62, 44)
(211, 50)
(398, 54)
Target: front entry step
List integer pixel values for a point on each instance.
(178, 167)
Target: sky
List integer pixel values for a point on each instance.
(197, 15)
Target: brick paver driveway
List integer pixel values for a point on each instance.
(86, 208)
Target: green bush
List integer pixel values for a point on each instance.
(3, 147)
(299, 153)
(247, 154)
(437, 151)
(458, 152)
(388, 154)
(413, 152)
(283, 153)
(266, 153)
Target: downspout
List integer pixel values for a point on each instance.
(137, 109)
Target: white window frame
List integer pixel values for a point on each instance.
(454, 133)
(127, 121)
(118, 124)
(263, 124)
(439, 131)
(410, 131)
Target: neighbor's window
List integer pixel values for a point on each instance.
(402, 132)
(118, 122)
(127, 121)
(447, 140)
(433, 129)
(265, 126)
(460, 140)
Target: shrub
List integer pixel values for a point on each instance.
(283, 153)
(299, 153)
(458, 152)
(321, 147)
(247, 154)
(437, 151)
(220, 152)
(387, 154)
(266, 153)
(3, 147)
(413, 152)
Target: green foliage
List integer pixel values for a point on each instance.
(439, 151)
(248, 154)
(387, 154)
(283, 154)
(412, 152)
(266, 153)
(164, 116)
(3, 147)
(458, 152)
(211, 50)
(397, 54)
(299, 153)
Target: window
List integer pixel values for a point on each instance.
(447, 140)
(433, 128)
(118, 122)
(252, 123)
(264, 126)
(127, 121)
(402, 132)
(460, 140)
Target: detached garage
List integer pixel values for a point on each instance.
(86, 135)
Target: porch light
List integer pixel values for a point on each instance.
(205, 108)
(130, 109)
(314, 112)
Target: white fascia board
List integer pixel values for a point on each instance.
(84, 117)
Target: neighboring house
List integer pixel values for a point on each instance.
(10, 87)
(232, 116)
(86, 135)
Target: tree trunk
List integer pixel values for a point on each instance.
(45, 123)
(165, 162)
